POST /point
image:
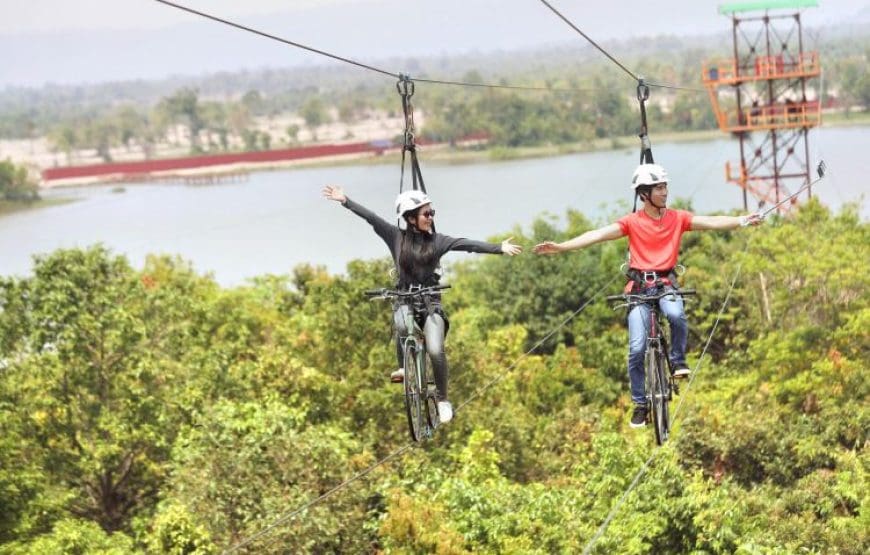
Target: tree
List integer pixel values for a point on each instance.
(253, 101)
(314, 113)
(293, 133)
(16, 184)
(99, 373)
(130, 124)
(65, 139)
(183, 107)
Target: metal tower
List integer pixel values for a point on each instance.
(763, 96)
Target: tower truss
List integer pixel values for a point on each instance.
(766, 95)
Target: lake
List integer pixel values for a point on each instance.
(278, 219)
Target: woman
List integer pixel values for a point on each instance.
(417, 250)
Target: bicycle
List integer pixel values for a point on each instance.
(420, 391)
(659, 383)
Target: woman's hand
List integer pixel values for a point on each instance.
(334, 192)
(547, 247)
(509, 248)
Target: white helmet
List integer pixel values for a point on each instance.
(410, 200)
(648, 174)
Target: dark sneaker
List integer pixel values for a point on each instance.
(682, 371)
(638, 417)
(398, 376)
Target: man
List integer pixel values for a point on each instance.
(654, 233)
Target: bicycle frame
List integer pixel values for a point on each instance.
(659, 384)
(420, 394)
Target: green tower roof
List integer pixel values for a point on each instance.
(758, 5)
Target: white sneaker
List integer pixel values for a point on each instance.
(445, 411)
(398, 376)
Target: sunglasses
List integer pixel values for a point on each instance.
(428, 214)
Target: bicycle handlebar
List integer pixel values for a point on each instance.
(388, 293)
(631, 298)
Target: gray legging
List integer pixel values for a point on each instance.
(434, 330)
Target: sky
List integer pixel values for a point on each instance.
(89, 41)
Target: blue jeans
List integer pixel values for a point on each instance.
(638, 331)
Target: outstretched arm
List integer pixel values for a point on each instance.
(383, 228)
(724, 223)
(606, 233)
(445, 244)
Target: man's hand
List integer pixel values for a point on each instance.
(751, 219)
(547, 247)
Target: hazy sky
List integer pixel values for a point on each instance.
(101, 40)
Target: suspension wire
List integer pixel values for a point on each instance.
(675, 87)
(510, 87)
(564, 322)
(603, 527)
(279, 39)
(707, 344)
(398, 75)
(360, 64)
(287, 516)
(400, 451)
(592, 42)
(611, 58)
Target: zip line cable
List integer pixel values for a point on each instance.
(360, 64)
(592, 42)
(610, 57)
(603, 527)
(492, 86)
(279, 39)
(675, 87)
(287, 516)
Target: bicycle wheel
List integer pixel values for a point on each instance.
(656, 369)
(431, 399)
(413, 391)
(665, 383)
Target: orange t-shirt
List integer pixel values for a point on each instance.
(654, 244)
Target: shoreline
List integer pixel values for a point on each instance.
(441, 153)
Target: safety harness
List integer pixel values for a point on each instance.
(644, 279)
(638, 280)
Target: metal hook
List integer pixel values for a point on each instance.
(642, 90)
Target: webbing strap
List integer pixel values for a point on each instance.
(405, 87)
(646, 156)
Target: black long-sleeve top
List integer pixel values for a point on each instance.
(424, 275)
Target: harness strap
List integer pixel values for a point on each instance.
(644, 279)
(405, 87)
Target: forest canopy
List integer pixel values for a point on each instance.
(149, 410)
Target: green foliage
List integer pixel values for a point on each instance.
(76, 537)
(152, 411)
(16, 184)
